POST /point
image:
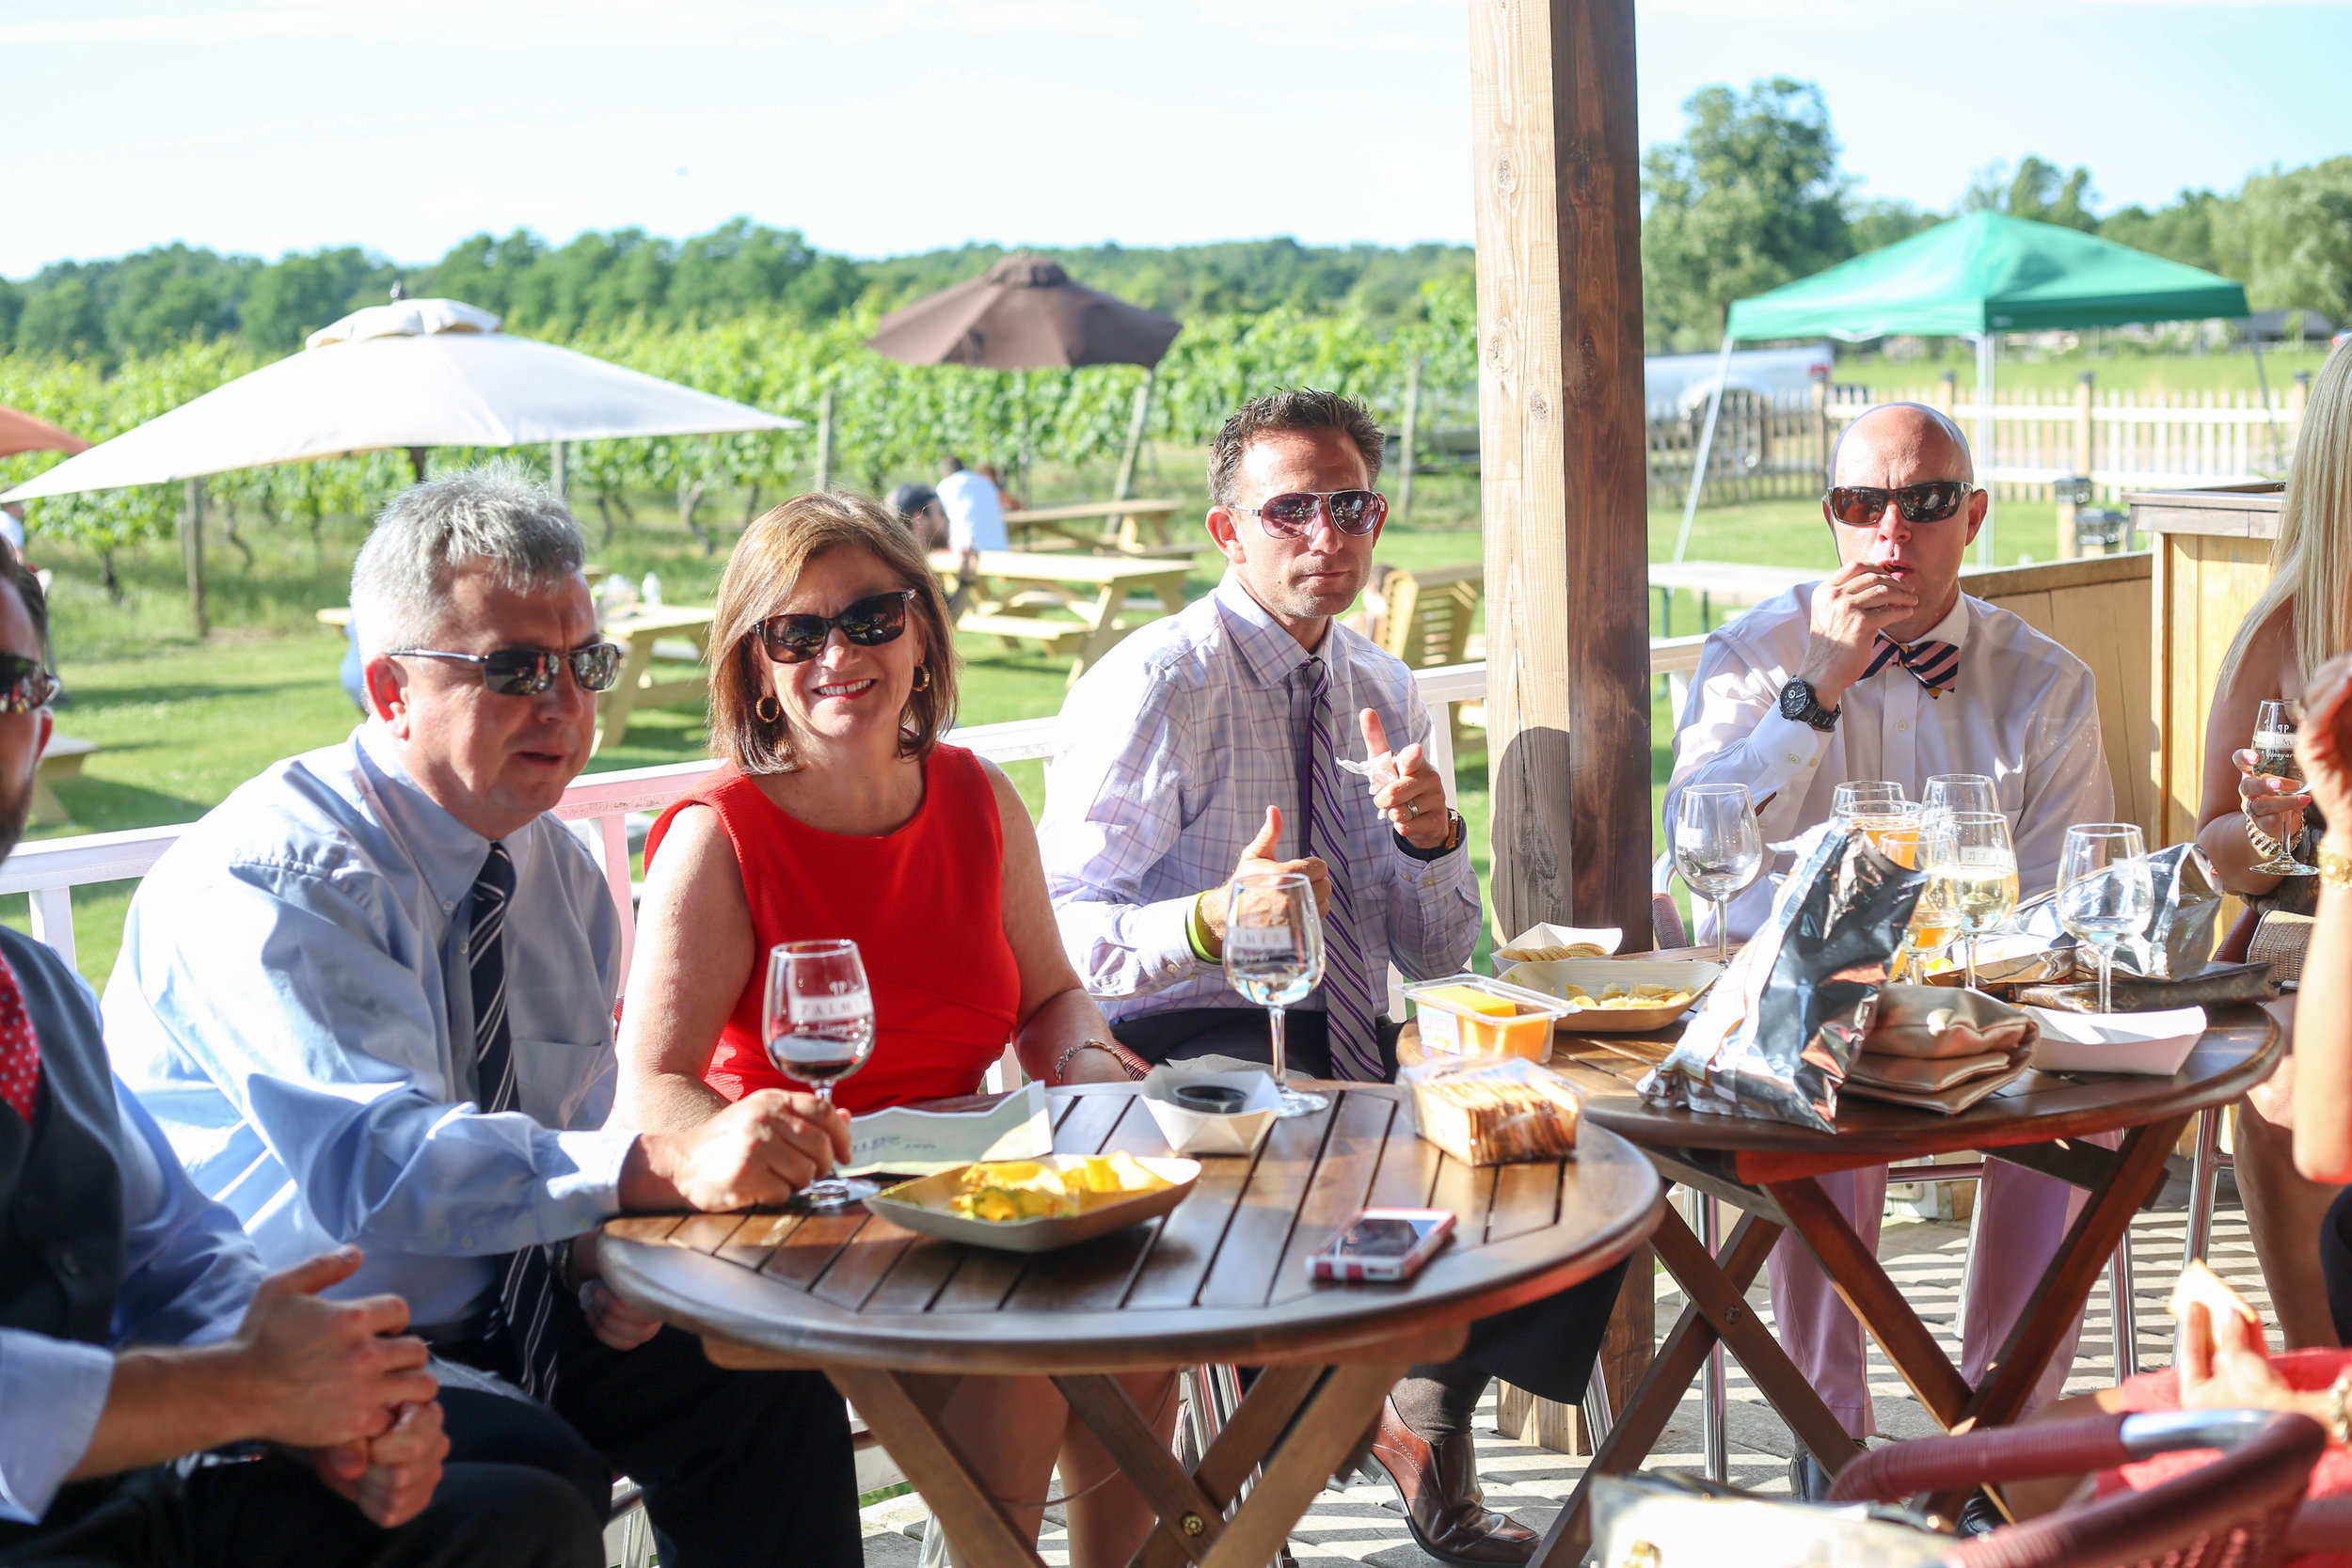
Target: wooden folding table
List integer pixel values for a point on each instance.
(1218, 1281)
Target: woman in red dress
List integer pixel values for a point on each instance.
(840, 813)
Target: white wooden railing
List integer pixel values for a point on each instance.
(51, 869)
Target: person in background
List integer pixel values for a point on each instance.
(975, 507)
(137, 1327)
(1885, 670)
(2304, 614)
(1207, 745)
(370, 998)
(918, 506)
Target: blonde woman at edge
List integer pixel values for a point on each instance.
(2303, 617)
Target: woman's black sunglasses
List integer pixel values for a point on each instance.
(25, 686)
(869, 623)
(1862, 506)
(527, 671)
(1291, 514)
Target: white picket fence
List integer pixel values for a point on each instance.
(2122, 440)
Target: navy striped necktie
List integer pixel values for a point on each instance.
(526, 1278)
(1933, 665)
(1347, 1005)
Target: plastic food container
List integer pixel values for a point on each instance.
(1470, 1015)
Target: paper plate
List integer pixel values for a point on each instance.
(1597, 974)
(909, 1204)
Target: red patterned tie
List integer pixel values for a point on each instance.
(20, 1051)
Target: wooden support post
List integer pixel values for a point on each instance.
(1406, 456)
(1135, 423)
(824, 443)
(192, 554)
(1563, 451)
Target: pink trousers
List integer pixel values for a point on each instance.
(2025, 1219)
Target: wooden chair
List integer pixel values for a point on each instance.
(1427, 621)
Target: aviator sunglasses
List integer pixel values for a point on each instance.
(1862, 506)
(25, 686)
(869, 623)
(527, 671)
(1291, 514)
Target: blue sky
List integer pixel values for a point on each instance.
(879, 126)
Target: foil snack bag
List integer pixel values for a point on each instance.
(2175, 943)
(1785, 1021)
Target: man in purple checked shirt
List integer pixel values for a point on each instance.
(1208, 745)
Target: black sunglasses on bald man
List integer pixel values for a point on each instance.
(527, 671)
(1860, 505)
(869, 623)
(25, 686)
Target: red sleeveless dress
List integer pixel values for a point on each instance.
(925, 906)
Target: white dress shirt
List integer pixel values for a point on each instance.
(2022, 711)
(975, 515)
(1174, 747)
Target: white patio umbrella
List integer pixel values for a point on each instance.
(416, 372)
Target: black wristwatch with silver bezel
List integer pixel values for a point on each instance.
(1798, 703)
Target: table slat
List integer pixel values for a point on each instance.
(706, 1232)
(981, 1282)
(1187, 1244)
(1409, 1168)
(1098, 1275)
(1527, 1198)
(758, 1236)
(862, 1263)
(1242, 1274)
(1343, 1185)
(810, 1249)
(915, 1281)
(1470, 1191)
(645, 1227)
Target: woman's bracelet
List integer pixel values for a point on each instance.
(2335, 865)
(1129, 1063)
(2265, 847)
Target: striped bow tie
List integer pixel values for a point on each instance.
(1933, 665)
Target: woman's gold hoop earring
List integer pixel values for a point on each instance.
(922, 677)
(769, 710)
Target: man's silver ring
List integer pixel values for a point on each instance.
(1412, 808)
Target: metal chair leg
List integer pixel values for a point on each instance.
(1707, 1219)
(2125, 1316)
(2204, 1172)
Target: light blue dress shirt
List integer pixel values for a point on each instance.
(292, 1004)
(187, 1275)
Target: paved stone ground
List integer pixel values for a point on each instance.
(1364, 1523)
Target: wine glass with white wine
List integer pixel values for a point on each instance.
(1977, 865)
(1719, 848)
(1274, 956)
(2274, 758)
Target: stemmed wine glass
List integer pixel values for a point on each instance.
(1863, 798)
(1718, 849)
(2104, 891)
(1274, 956)
(819, 1023)
(1914, 845)
(2274, 757)
(1962, 792)
(1972, 856)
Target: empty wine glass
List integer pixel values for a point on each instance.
(1975, 861)
(1718, 849)
(1274, 956)
(1962, 792)
(819, 1023)
(2104, 891)
(1863, 798)
(2274, 757)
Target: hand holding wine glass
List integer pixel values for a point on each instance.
(2104, 892)
(2274, 764)
(819, 1027)
(1274, 956)
(1719, 848)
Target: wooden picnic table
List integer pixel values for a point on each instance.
(1020, 586)
(1770, 1170)
(638, 629)
(1125, 521)
(1218, 1281)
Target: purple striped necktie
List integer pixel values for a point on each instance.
(1933, 665)
(1347, 1002)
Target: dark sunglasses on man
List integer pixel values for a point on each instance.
(1293, 514)
(1862, 506)
(869, 623)
(528, 672)
(25, 686)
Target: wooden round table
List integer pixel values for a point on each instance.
(1770, 1170)
(1219, 1280)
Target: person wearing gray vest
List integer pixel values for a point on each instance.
(370, 1000)
(139, 1338)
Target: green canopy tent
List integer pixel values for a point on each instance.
(1976, 277)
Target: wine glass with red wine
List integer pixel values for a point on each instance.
(819, 1023)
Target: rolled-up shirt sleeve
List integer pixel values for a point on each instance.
(1115, 810)
(1734, 733)
(327, 1050)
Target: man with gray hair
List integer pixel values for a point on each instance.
(1885, 670)
(370, 998)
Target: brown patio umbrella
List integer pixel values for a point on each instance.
(24, 433)
(1025, 315)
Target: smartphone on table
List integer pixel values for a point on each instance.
(1383, 1246)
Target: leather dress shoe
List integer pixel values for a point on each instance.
(1438, 1483)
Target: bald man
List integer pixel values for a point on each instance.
(1885, 670)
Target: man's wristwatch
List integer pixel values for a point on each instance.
(1799, 702)
(1455, 832)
